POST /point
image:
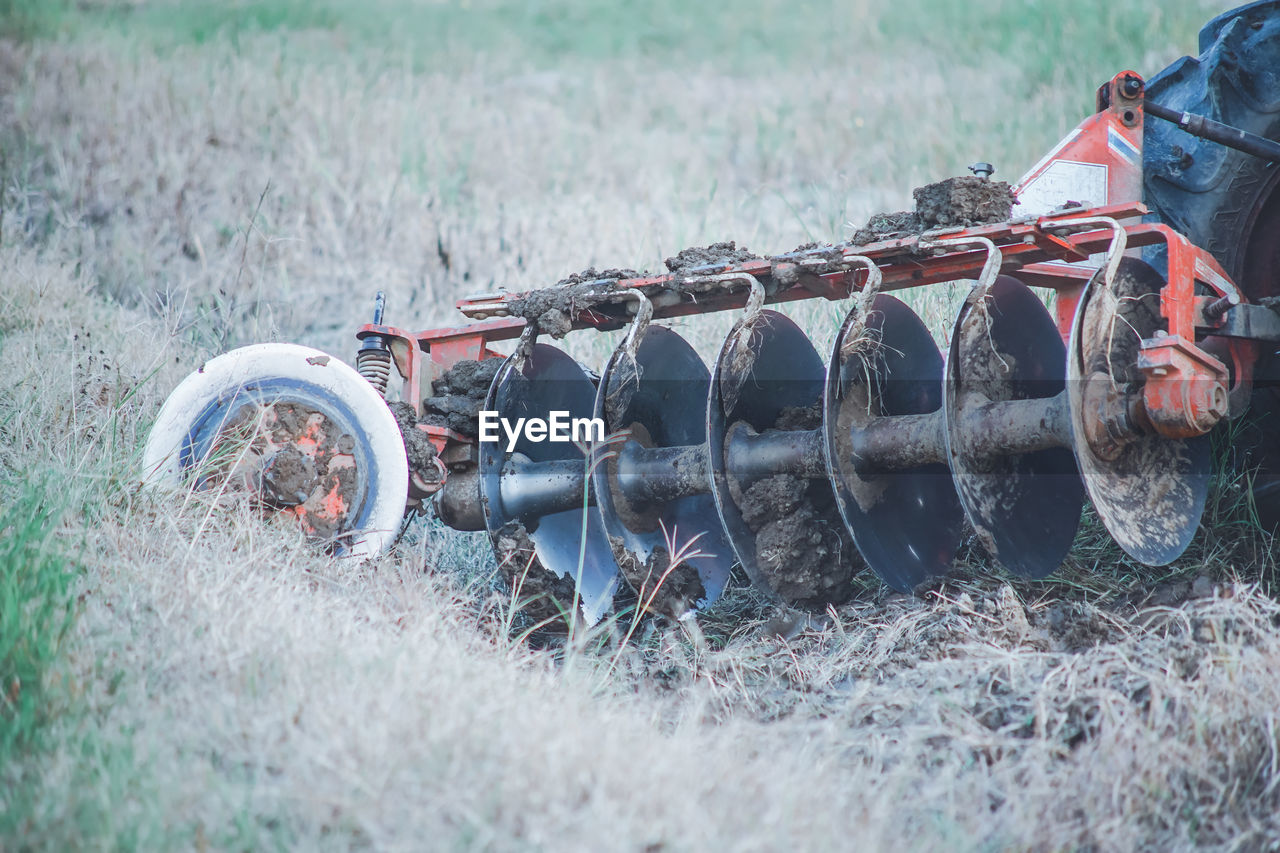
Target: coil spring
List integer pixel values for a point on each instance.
(375, 366)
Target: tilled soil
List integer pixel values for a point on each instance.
(966, 200)
(418, 449)
(540, 595)
(677, 589)
(459, 395)
(316, 481)
(592, 274)
(717, 253)
(802, 545)
(961, 201)
(553, 310)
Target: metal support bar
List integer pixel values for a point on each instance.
(534, 489)
(1018, 426)
(898, 442)
(655, 476)
(1253, 322)
(1216, 131)
(751, 456)
(902, 442)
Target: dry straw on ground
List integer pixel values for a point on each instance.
(226, 685)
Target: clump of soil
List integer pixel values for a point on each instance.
(418, 449)
(543, 597)
(963, 201)
(290, 478)
(258, 448)
(967, 200)
(815, 248)
(809, 258)
(800, 417)
(716, 253)
(885, 226)
(678, 589)
(592, 274)
(1074, 627)
(553, 310)
(458, 396)
(802, 546)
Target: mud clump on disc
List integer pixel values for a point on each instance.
(543, 597)
(800, 417)
(663, 589)
(553, 310)
(419, 452)
(458, 396)
(955, 202)
(717, 253)
(802, 546)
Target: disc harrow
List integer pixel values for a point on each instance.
(888, 454)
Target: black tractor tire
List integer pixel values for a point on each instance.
(1227, 201)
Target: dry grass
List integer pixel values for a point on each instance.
(227, 686)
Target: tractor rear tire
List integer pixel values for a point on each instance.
(1227, 201)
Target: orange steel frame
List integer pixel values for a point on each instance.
(1041, 250)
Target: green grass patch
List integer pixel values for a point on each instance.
(1048, 42)
(24, 19)
(36, 613)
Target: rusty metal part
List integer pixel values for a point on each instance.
(458, 503)
(1115, 415)
(1150, 490)
(1040, 245)
(425, 483)
(1250, 322)
(1185, 394)
(1179, 382)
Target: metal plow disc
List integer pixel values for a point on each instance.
(655, 400)
(547, 540)
(769, 472)
(1024, 507)
(906, 522)
(1149, 490)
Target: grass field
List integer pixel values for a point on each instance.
(182, 178)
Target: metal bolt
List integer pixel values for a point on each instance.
(1131, 87)
(1217, 308)
(1220, 404)
(982, 170)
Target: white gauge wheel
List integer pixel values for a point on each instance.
(315, 416)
